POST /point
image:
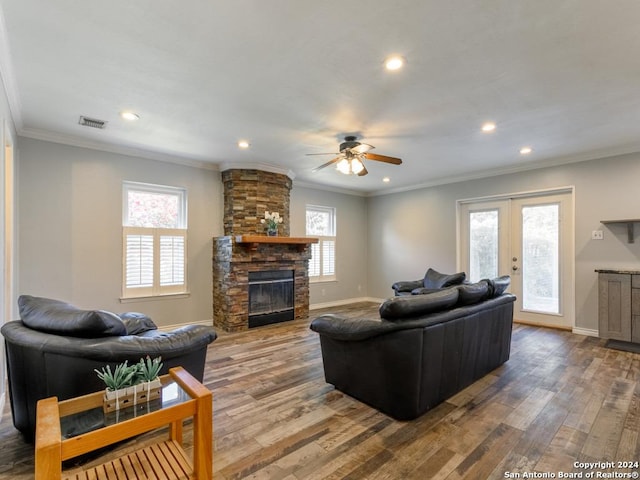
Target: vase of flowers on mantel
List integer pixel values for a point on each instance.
(271, 222)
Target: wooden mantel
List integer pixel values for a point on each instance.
(253, 240)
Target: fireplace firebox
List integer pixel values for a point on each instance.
(271, 297)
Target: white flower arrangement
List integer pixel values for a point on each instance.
(271, 220)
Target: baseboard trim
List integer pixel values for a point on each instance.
(589, 332)
(168, 328)
(346, 301)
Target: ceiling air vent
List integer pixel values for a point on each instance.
(92, 122)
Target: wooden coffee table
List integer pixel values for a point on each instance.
(77, 426)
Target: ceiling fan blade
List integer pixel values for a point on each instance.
(324, 165)
(327, 153)
(383, 158)
(363, 172)
(362, 148)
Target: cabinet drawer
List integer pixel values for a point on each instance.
(635, 281)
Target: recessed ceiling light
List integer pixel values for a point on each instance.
(386, 179)
(526, 150)
(243, 144)
(130, 116)
(394, 62)
(488, 127)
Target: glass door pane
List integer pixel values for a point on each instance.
(540, 258)
(483, 244)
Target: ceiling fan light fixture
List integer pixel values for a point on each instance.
(344, 166)
(356, 166)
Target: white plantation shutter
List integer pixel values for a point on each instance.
(172, 260)
(328, 257)
(321, 223)
(322, 265)
(139, 261)
(155, 260)
(314, 262)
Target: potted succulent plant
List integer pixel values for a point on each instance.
(129, 385)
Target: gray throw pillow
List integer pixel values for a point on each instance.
(54, 316)
(412, 306)
(500, 285)
(434, 279)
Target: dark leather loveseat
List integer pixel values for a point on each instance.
(55, 347)
(423, 349)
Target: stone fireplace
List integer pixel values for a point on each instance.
(252, 271)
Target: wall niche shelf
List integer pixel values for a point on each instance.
(630, 226)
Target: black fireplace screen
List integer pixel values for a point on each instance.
(271, 297)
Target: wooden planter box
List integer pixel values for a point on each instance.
(130, 396)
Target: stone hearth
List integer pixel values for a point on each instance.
(245, 248)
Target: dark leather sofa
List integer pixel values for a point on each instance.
(55, 347)
(432, 281)
(423, 349)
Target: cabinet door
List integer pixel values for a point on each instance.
(614, 306)
(635, 308)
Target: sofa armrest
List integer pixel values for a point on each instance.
(407, 286)
(350, 329)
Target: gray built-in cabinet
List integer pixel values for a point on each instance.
(619, 305)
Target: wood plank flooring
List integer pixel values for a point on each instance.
(561, 398)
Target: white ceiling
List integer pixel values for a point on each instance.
(294, 77)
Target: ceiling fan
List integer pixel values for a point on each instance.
(350, 159)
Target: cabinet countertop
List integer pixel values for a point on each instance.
(621, 271)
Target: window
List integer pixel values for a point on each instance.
(154, 239)
(321, 223)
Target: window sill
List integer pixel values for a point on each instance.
(150, 298)
(323, 280)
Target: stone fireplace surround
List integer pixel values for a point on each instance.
(245, 248)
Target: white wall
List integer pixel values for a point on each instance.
(351, 242)
(70, 228)
(411, 231)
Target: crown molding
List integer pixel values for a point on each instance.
(555, 162)
(329, 188)
(112, 148)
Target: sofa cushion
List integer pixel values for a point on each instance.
(434, 279)
(137, 323)
(470, 293)
(54, 316)
(398, 308)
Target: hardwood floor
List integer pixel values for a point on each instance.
(561, 398)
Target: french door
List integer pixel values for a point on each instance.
(529, 238)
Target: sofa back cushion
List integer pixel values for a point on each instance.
(434, 279)
(137, 323)
(54, 316)
(470, 293)
(398, 308)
